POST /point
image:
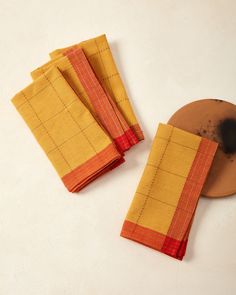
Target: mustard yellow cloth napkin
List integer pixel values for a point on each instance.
(163, 207)
(76, 69)
(98, 53)
(74, 142)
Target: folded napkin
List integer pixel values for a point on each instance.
(78, 73)
(99, 55)
(163, 207)
(79, 149)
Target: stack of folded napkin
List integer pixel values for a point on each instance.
(79, 112)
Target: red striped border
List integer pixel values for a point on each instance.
(105, 110)
(175, 242)
(137, 131)
(126, 141)
(102, 162)
(184, 212)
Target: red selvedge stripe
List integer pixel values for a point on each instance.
(143, 235)
(115, 164)
(131, 137)
(135, 128)
(103, 107)
(104, 161)
(153, 239)
(174, 243)
(137, 131)
(126, 141)
(182, 220)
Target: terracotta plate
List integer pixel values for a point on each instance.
(209, 118)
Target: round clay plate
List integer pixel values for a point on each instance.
(204, 117)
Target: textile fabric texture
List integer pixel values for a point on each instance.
(79, 149)
(98, 53)
(164, 204)
(78, 73)
(79, 112)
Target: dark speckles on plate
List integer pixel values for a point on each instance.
(227, 134)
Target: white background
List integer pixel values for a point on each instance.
(55, 243)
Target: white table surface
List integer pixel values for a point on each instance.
(52, 242)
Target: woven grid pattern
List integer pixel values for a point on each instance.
(68, 72)
(97, 51)
(104, 109)
(162, 211)
(78, 73)
(66, 130)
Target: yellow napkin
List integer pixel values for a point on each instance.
(163, 207)
(74, 142)
(98, 53)
(77, 71)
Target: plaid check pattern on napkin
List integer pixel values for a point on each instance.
(99, 55)
(164, 204)
(77, 146)
(75, 111)
(77, 71)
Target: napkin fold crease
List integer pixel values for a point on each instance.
(74, 142)
(79, 112)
